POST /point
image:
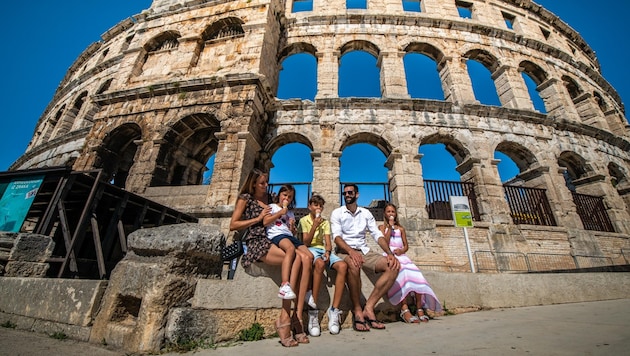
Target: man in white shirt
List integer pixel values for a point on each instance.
(348, 225)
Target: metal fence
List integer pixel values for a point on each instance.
(529, 206)
(592, 212)
(438, 193)
(491, 261)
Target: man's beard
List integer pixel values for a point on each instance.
(350, 200)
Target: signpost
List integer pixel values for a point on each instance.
(463, 218)
(15, 201)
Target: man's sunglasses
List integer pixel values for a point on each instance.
(348, 193)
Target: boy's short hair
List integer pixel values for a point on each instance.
(317, 199)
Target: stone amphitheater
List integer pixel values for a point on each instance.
(167, 89)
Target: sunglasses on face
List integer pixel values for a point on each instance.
(350, 193)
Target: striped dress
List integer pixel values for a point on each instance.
(410, 279)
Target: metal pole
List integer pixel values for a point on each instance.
(470, 259)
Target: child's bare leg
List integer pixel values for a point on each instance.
(318, 274)
(289, 255)
(340, 282)
(306, 258)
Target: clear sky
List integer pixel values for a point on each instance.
(42, 39)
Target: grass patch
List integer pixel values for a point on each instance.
(254, 333)
(59, 335)
(8, 324)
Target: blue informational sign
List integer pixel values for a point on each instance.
(16, 200)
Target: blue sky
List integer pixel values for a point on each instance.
(42, 39)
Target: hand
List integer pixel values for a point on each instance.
(398, 252)
(266, 211)
(392, 263)
(356, 258)
(326, 256)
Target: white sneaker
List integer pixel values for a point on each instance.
(286, 292)
(334, 315)
(310, 300)
(313, 323)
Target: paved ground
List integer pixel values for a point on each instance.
(594, 328)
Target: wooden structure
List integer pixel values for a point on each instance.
(88, 219)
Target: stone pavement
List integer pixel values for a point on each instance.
(591, 328)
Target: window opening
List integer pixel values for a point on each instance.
(412, 5)
(509, 20)
(508, 170)
(302, 5)
(545, 33)
(298, 77)
(534, 95)
(359, 75)
(292, 164)
(465, 9)
(353, 166)
(356, 4)
(207, 174)
(437, 163)
(423, 79)
(483, 85)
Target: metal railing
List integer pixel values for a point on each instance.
(529, 206)
(537, 262)
(592, 212)
(438, 193)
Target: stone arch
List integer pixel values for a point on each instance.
(360, 45)
(151, 61)
(539, 76)
(424, 64)
(116, 153)
(454, 146)
(487, 59)
(219, 31)
(50, 127)
(618, 175)
(297, 72)
(601, 103)
(576, 168)
(427, 49)
(224, 28)
(105, 86)
(66, 124)
(186, 147)
(572, 87)
(370, 138)
(295, 48)
(283, 139)
(519, 154)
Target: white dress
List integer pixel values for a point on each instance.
(410, 279)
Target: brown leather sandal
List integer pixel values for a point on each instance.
(298, 331)
(284, 332)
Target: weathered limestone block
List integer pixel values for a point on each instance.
(159, 272)
(28, 256)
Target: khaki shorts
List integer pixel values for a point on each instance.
(370, 259)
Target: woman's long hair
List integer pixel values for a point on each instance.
(250, 182)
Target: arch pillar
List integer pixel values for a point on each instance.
(327, 75)
(489, 191)
(558, 195)
(405, 184)
(511, 89)
(456, 83)
(557, 101)
(326, 167)
(237, 154)
(144, 165)
(393, 79)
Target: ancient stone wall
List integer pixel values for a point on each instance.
(185, 80)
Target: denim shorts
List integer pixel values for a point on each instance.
(319, 253)
(296, 242)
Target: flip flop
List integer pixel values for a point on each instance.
(375, 324)
(360, 322)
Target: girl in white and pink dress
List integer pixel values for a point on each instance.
(410, 281)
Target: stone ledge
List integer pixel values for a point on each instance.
(64, 301)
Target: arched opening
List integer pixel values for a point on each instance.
(359, 74)
(116, 154)
(423, 79)
(298, 77)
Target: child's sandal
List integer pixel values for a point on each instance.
(422, 317)
(409, 318)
